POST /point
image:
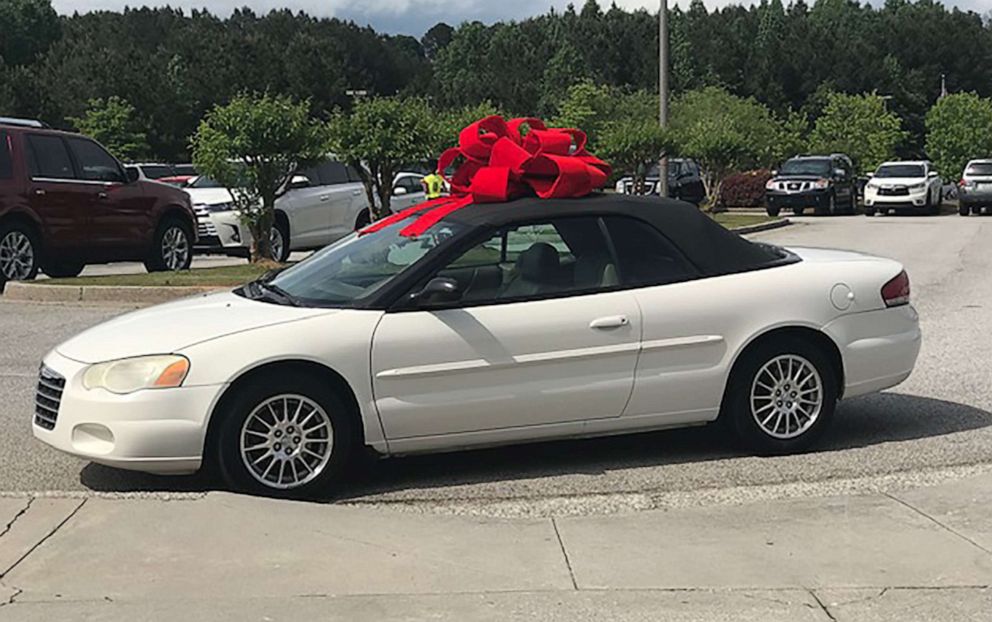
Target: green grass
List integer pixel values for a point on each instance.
(226, 276)
(732, 221)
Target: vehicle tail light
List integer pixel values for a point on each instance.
(896, 291)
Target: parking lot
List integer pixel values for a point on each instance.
(934, 427)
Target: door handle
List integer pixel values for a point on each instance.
(40, 192)
(611, 321)
(355, 193)
(102, 195)
(325, 198)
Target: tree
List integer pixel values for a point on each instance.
(724, 134)
(378, 137)
(113, 122)
(436, 39)
(253, 146)
(860, 126)
(959, 128)
(633, 144)
(27, 29)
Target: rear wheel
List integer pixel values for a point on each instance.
(781, 396)
(172, 249)
(963, 209)
(290, 436)
(20, 252)
(364, 220)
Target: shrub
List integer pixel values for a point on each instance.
(745, 189)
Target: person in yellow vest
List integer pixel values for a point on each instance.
(433, 184)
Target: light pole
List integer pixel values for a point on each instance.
(663, 91)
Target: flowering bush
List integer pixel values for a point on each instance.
(745, 189)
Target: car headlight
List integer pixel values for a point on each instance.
(221, 207)
(770, 184)
(133, 374)
(919, 186)
(821, 183)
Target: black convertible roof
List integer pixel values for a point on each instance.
(713, 249)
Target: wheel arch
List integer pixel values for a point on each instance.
(176, 212)
(808, 333)
(24, 217)
(281, 217)
(259, 372)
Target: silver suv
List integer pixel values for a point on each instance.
(975, 188)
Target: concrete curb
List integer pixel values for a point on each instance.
(765, 226)
(36, 292)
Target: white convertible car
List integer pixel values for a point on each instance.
(504, 323)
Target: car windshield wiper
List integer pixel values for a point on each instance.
(271, 292)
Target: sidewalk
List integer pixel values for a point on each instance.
(923, 554)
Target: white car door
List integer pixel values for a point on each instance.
(306, 211)
(412, 193)
(540, 334)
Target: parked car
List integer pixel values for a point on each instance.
(908, 185)
(685, 181)
(172, 174)
(825, 183)
(318, 206)
(975, 188)
(66, 202)
(407, 191)
(502, 323)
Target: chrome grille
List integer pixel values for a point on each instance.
(47, 399)
(204, 226)
(894, 191)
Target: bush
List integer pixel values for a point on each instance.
(745, 189)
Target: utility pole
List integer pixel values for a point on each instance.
(663, 91)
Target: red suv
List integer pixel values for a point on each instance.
(66, 202)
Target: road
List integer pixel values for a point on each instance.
(934, 427)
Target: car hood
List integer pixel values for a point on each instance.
(209, 196)
(176, 325)
(797, 177)
(897, 181)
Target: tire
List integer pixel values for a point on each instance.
(853, 208)
(172, 247)
(20, 252)
(963, 209)
(798, 211)
(773, 211)
(869, 211)
(280, 250)
(364, 220)
(64, 269)
(300, 395)
(761, 363)
(928, 206)
(830, 209)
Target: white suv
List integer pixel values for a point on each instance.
(904, 185)
(320, 205)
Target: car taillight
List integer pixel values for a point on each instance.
(896, 291)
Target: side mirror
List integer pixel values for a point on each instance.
(131, 174)
(440, 289)
(870, 175)
(774, 172)
(932, 174)
(297, 182)
(399, 191)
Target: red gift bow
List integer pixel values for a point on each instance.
(501, 163)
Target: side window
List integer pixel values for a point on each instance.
(6, 162)
(95, 164)
(48, 157)
(332, 173)
(157, 172)
(557, 258)
(353, 175)
(645, 256)
(312, 174)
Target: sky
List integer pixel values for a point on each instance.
(413, 17)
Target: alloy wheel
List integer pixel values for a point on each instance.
(786, 396)
(16, 256)
(286, 441)
(276, 243)
(175, 248)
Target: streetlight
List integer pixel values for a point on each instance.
(663, 91)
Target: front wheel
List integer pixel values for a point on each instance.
(869, 211)
(772, 211)
(172, 249)
(19, 253)
(364, 220)
(279, 242)
(963, 209)
(781, 397)
(290, 436)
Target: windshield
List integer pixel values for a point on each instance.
(900, 170)
(359, 265)
(805, 167)
(205, 182)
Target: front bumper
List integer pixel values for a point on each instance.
(156, 431)
(980, 196)
(914, 198)
(879, 348)
(222, 232)
(807, 198)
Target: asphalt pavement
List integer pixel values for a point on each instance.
(935, 427)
